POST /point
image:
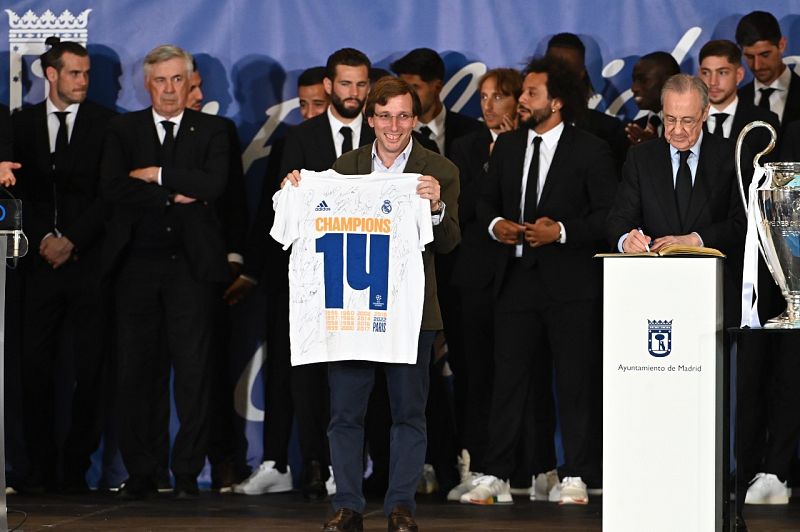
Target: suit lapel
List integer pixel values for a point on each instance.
(42, 137)
(184, 141)
(147, 130)
(80, 131)
(516, 171)
(560, 159)
(663, 185)
(327, 149)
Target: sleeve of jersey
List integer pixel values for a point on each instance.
(284, 228)
(424, 223)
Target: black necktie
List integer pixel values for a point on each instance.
(532, 186)
(426, 132)
(765, 94)
(168, 146)
(62, 141)
(683, 185)
(719, 120)
(347, 133)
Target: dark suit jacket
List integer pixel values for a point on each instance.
(6, 148)
(790, 146)
(608, 128)
(757, 139)
(200, 171)
(578, 192)
(457, 125)
(646, 196)
(232, 205)
(445, 235)
(475, 264)
(81, 212)
(308, 146)
(792, 110)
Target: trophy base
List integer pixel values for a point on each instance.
(786, 320)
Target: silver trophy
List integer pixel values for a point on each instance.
(777, 215)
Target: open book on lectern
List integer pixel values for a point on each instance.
(672, 250)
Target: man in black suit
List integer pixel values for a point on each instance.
(681, 189)
(721, 70)
(474, 271)
(775, 87)
(166, 249)
(58, 142)
(312, 145)
(546, 282)
(649, 75)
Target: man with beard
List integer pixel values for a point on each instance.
(311, 92)
(775, 87)
(58, 143)
(547, 208)
(649, 75)
(312, 145)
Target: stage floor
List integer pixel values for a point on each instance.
(289, 512)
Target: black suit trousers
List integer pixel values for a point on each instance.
(529, 325)
(62, 304)
(154, 295)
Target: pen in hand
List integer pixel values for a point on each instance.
(646, 245)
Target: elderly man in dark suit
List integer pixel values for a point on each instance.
(58, 142)
(681, 189)
(392, 110)
(547, 208)
(163, 169)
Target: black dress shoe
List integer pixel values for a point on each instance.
(186, 488)
(401, 520)
(345, 520)
(313, 486)
(135, 489)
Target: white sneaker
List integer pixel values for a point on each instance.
(427, 482)
(765, 488)
(465, 486)
(543, 484)
(330, 484)
(572, 490)
(265, 479)
(488, 489)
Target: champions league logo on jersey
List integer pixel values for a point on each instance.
(378, 302)
(386, 208)
(659, 337)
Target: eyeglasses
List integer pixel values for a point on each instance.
(688, 122)
(386, 118)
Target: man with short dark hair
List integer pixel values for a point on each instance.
(649, 75)
(163, 170)
(547, 208)
(775, 87)
(423, 69)
(311, 92)
(312, 145)
(392, 108)
(58, 143)
(721, 70)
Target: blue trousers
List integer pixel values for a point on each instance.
(350, 384)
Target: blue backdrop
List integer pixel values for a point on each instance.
(250, 53)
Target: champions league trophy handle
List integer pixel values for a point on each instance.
(740, 140)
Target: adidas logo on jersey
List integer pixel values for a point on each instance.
(323, 206)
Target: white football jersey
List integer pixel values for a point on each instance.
(356, 278)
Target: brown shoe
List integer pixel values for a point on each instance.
(401, 520)
(345, 520)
